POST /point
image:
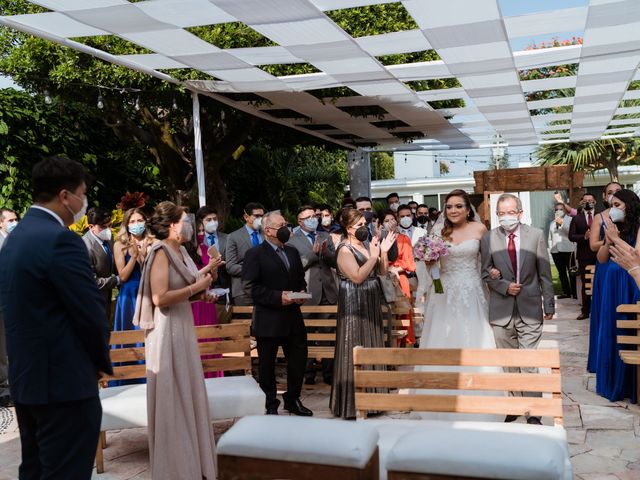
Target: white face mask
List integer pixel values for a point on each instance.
(257, 224)
(211, 226)
(509, 223)
(311, 224)
(105, 235)
(326, 221)
(11, 226)
(78, 215)
(406, 222)
(616, 214)
(560, 213)
(394, 206)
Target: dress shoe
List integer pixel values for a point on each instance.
(273, 409)
(534, 421)
(582, 316)
(510, 418)
(297, 408)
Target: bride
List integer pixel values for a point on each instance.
(458, 318)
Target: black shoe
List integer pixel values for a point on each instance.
(5, 402)
(510, 418)
(534, 421)
(297, 408)
(273, 410)
(560, 297)
(582, 316)
(310, 381)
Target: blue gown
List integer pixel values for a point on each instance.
(596, 302)
(125, 308)
(615, 380)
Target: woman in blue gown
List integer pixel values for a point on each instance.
(614, 379)
(596, 240)
(130, 251)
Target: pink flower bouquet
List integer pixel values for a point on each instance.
(430, 249)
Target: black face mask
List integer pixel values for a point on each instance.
(362, 233)
(588, 206)
(283, 234)
(422, 219)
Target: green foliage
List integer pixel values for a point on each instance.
(31, 130)
(444, 168)
(373, 19)
(607, 154)
(381, 166)
(285, 178)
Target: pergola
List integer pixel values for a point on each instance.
(473, 40)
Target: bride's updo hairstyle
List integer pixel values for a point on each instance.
(164, 215)
(448, 226)
(347, 217)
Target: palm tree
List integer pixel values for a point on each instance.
(607, 153)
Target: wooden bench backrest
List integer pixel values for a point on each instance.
(400, 325)
(232, 341)
(549, 383)
(589, 273)
(630, 339)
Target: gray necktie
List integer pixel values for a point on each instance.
(283, 257)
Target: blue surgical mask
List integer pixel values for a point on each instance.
(311, 223)
(11, 226)
(616, 214)
(136, 228)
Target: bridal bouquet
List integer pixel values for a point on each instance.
(430, 249)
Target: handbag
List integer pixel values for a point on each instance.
(388, 285)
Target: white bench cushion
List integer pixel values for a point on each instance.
(126, 406)
(298, 439)
(391, 430)
(231, 397)
(460, 451)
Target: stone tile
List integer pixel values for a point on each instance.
(586, 463)
(598, 476)
(576, 436)
(572, 416)
(610, 418)
(578, 448)
(612, 438)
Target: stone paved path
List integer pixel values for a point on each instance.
(604, 437)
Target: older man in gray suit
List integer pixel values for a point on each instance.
(99, 243)
(517, 296)
(238, 243)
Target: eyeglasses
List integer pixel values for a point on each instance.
(365, 209)
(302, 219)
(276, 227)
(457, 206)
(509, 212)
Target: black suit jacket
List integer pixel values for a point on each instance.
(56, 328)
(577, 230)
(266, 278)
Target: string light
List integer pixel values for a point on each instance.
(174, 105)
(47, 98)
(137, 104)
(100, 104)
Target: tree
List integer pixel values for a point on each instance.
(381, 166)
(444, 168)
(607, 154)
(31, 130)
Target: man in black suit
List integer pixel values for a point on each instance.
(56, 329)
(579, 232)
(272, 271)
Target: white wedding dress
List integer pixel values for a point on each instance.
(458, 318)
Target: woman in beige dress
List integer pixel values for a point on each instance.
(181, 443)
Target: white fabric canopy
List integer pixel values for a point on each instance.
(473, 40)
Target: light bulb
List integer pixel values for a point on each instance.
(47, 98)
(137, 105)
(174, 105)
(100, 102)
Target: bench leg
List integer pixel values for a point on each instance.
(100, 454)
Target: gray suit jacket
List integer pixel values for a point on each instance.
(318, 274)
(535, 276)
(237, 245)
(103, 269)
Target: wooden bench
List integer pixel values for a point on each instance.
(321, 343)
(400, 374)
(589, 274)
(239, 395)
(631, 340)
